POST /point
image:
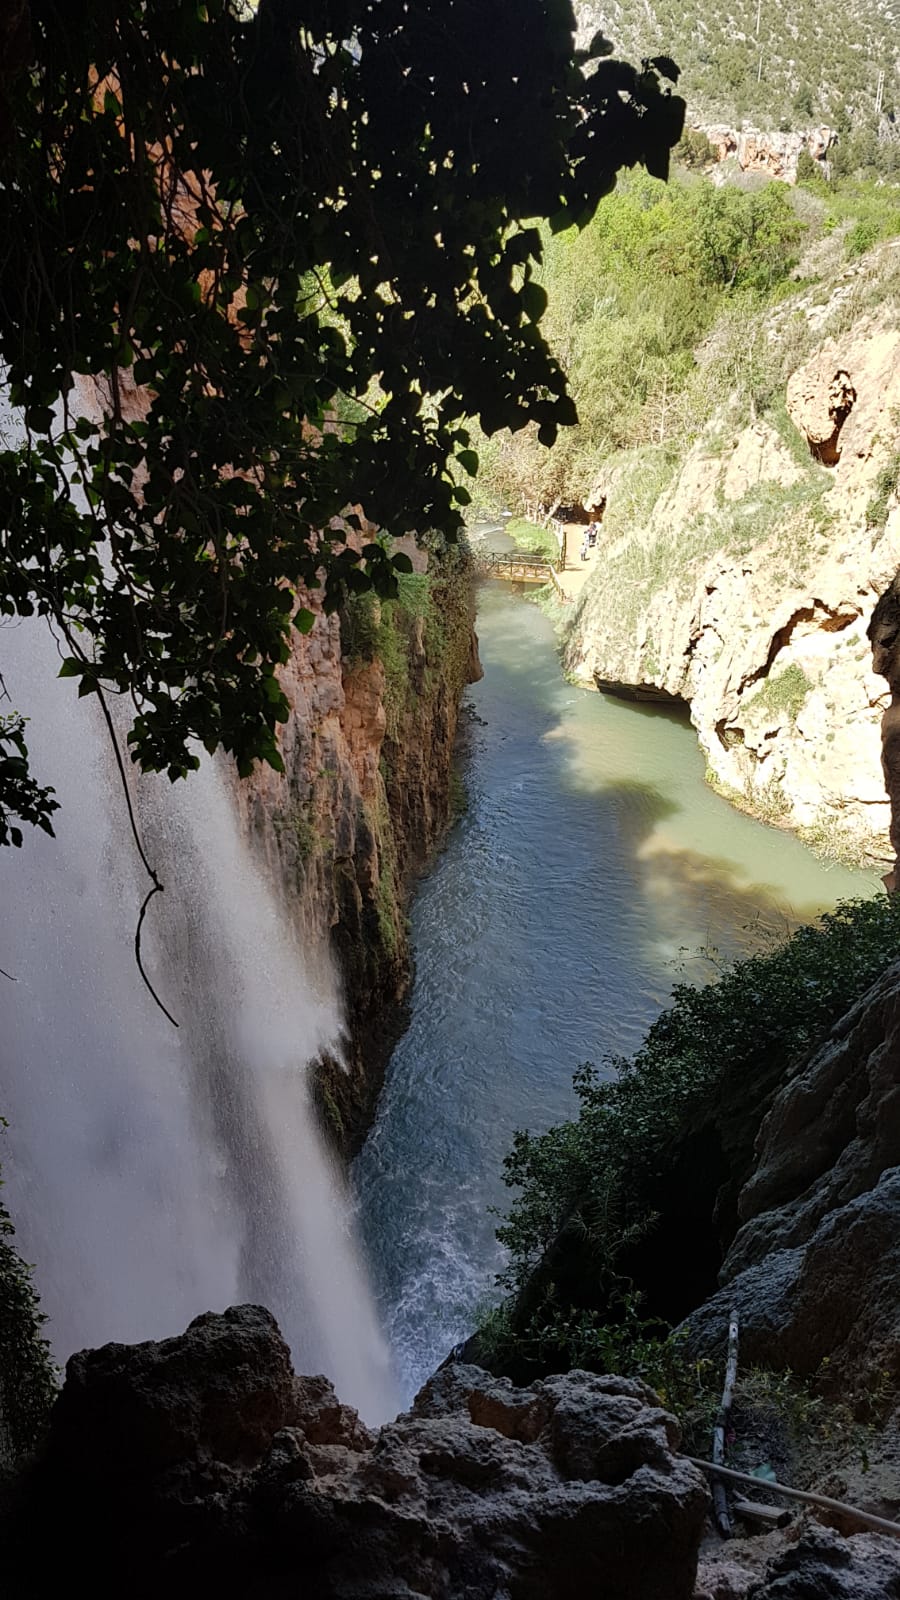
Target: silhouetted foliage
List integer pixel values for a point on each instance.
(27, 1373)
(289, 244)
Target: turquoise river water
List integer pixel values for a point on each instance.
(592, 866)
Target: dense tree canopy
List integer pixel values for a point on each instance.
(290, 247)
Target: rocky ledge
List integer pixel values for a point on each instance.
(203, 1464)
(814, 1264)
(203, 1460)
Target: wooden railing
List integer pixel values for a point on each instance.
(517, 568)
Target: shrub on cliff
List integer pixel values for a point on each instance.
(588, 1205)
(631, 298)
(27, 1374)
(694, 150)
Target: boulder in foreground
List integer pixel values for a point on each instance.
(202, 1460)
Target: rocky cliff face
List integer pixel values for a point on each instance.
(814, 1265)
(364, 799)
(747, 589)
(884, 633)
(773, 155)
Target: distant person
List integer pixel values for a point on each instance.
(585, 548)
(592, 534)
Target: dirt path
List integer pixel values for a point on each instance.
(574, 576)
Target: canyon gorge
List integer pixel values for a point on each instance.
(446, 1021)
(746, 586)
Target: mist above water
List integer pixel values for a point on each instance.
(154, 1173)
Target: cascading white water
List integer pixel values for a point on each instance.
(154, 1173)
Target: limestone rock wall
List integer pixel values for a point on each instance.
(776, 544)
(360, 808)
(772, 154)
(814, 1266)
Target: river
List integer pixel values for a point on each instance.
(592, 870)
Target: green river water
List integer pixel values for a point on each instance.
(593, 868)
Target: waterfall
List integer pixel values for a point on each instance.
(154, 1173)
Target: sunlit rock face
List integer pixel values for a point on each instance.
(767, 642)
(773, 154)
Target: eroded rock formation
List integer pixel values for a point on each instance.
(819, 401)
(814, 1265)
(767, 152)
(817, 1565)
(772, 569)
(203, 1460)
(775, 155)
(823, 1566)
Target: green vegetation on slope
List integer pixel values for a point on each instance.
(629, 299)
(423, 631)
(817, 62)
(657, 312)
(27, 1374)
(532, 538)
(595, 1215)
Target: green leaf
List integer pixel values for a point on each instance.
(304, 620)
(468, 460)
(401, 562)
(71, 668)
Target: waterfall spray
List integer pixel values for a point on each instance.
(154, 1173)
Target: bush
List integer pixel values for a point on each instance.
(861, 238)
(694, 150)
(360, 619)
(27, 1373)
(887, 488)
(785, 691)
(746, 241)
(560, 1339)
(808, 168)
(587, 1187)
(532, 538)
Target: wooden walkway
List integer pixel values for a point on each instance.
(518, 567)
